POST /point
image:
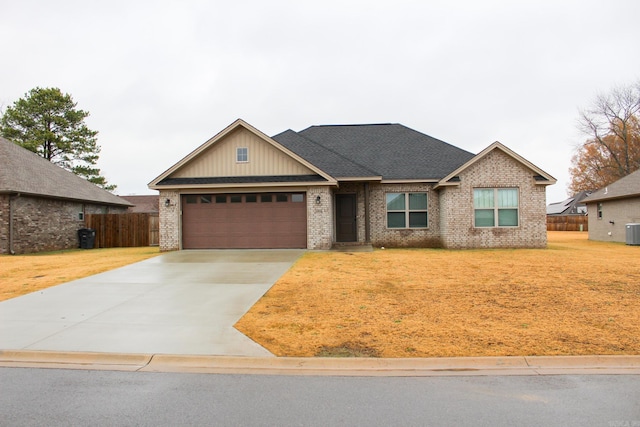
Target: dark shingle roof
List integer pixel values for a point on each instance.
(324, 158)
(392, 151)
(628, 186)
(22, 171)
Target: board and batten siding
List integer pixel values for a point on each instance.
(220, 159)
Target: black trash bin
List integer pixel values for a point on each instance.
(87, 237)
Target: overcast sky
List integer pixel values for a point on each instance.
(161, 77)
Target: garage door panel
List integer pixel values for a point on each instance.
(253, 224)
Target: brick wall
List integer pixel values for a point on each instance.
(4, 223)
(495, 170)
(169, 221)
(388, 237)
(319, 218)
(621, 212)
(41, 224)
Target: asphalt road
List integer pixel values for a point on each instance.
(58, 397)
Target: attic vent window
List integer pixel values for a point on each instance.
(242, 155)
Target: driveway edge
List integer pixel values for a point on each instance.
(418, 367)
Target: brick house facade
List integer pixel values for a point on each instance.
(336, 175)
(42, 206)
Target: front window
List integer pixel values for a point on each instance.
(599, 210)
(407, 210)
(495, 207)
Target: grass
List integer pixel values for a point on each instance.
(22, 274)
(576, 297)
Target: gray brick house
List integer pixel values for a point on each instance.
(612, 207)
(382, 184)
(42, 206)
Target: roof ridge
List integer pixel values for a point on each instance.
(350, 124)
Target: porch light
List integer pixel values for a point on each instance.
(318, 200)
(167, 202)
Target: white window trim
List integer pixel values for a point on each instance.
(238, 151)
(496, 209)
(406, 210)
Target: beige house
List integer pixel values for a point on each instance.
(611, 208)
(326, 186)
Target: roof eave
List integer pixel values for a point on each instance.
(331, 183)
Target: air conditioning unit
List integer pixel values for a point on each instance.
(633, 234)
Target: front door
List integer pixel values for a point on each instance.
(346, 218)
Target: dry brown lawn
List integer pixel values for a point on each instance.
(577, 297)
(22, 274)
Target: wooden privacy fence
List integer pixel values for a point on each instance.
(567, 223)
(124, 230)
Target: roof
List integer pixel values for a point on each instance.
(570, 205)
(143, 203)
(391, 151)
(625, 187)
(25, 172)
(387, 152)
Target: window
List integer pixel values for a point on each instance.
(266, 198)
(599, 210)
(297, 198)
(250, 198)
(242, 155)
(407, 210)
(495, 207)
(221, 199)
(236, 198)
(192, 200)
(205, 198)
(282, 198)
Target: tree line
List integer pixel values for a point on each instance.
(48, 122)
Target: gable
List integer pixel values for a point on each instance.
(215, 162)
(502, 158)
(219, 160)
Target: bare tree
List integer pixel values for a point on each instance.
(612, 151)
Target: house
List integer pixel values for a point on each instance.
(143, 204)
(614, 206)
(380, 184)
(574, 205)
(42, 206)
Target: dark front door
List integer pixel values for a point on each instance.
(346, 218)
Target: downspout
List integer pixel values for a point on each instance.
(11, 251)
(367, 228)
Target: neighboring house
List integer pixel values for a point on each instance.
(574, 205)
(142, 204)
(42, 206)
(614, 206)
(385, 185)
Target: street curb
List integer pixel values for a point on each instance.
(416, 367)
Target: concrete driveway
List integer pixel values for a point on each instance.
(178, 303)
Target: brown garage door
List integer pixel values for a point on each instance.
(221, 221)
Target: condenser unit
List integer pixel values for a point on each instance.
(633, 234)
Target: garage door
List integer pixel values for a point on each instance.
(260, 221)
